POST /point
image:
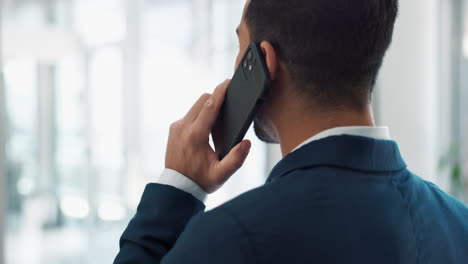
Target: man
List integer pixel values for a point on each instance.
(341, 194)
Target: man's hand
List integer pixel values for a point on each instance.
(188, 149)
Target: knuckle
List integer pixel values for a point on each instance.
(190, 134)
(205, 96)
(176, 125)
(195, 133)
(211, 104)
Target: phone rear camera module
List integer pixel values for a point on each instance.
(245, 64)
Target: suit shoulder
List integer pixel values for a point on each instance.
(274, 199)
(247, 200)
(446, 198)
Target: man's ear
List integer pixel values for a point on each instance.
(271, 58)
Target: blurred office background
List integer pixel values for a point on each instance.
(90, 88)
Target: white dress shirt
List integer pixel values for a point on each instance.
(179, 181)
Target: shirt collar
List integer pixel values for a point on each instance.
(363, 131)
(352, 152)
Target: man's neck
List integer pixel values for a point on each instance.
(295, 128)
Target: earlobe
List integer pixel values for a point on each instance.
(271, 58)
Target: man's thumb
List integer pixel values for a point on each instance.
(234, 160)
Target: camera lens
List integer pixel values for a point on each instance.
(249, 55)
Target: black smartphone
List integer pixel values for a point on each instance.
(245, 94)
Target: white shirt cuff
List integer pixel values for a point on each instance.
(180, 181)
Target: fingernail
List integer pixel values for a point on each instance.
(209, 102)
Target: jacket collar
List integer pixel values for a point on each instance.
(349, 152)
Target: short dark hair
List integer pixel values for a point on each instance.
(333, 49)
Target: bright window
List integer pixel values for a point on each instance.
(92, 87)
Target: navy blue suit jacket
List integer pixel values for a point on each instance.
(342, 199)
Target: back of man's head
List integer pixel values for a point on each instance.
(332, 49)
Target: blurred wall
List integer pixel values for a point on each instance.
(408, 86)
(3, 202)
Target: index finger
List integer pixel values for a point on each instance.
(196, 108)
(210, 111)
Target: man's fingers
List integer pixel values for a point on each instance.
(210, 109)
(197, 107)
(234, 160)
